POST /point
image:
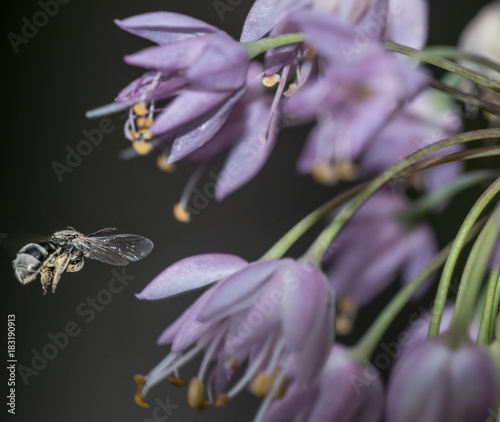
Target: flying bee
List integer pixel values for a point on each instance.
(66, 250)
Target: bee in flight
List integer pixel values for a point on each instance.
(66, 250)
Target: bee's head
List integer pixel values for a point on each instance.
(26, 267)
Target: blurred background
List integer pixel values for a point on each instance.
(73, 64)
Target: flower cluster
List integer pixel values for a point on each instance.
(273, 326)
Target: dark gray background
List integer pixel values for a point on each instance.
(73, 64)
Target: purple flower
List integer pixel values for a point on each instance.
(195, 77)
(427, 119)
(277, 316)
(341, 393)
(374, 247)
(352, 101)
(435, 383)
(416, 333)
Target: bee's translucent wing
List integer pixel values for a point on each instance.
(115, 250)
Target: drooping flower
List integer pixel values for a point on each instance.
(357, 95)
(427, 119)
(374, 247)
(435, 383)
(277, 316)
(342, 393)
(195, 76)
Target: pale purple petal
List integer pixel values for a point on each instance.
(232, 295)
(408, 23)
(276, 58)
(196, 133)
(191, 273)
(250, 153)
(297, 401)
(265, 14)
(151, 86)
(305, 297)
(222, 66)
(165, 27)
(170, 57)
(186, 107)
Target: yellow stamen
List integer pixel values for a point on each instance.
(142, 148)
(347, 310)
(195, 394)
(325, 174)
(347, 170)
(181, 214)
(292, 89)
(140, 109)
(133, 136)
(144, 122)
(162, 164)
(139, 399)
(281, 391)
(270, 81)
(261, 384)
(221, 400)
(178, 382)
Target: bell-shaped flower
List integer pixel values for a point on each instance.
(341, 393)
(430, 117)
(374, 247)
(435, 383)
(195, 76)
(277, 316)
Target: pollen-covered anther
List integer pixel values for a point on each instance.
(140, 108)
(181, 214)
(261, 384)
(347, 170)
(270, 81)
(138, 397)
(142, 148)
(163, 165)
(133, 136)
(325, 174)
(195, 392)
(347, 310)
(281, 391)
(177, 381)
(292, 89)
(144, 122)
(221, 400)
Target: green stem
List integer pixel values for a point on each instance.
(445, 64)
(472, 279)
(425, 204)
(457, 247)
(258, 47)
(466, 97)
(496, 305)
(365, 347)
(453, 53)
(316, 251)
(489, 313)
(287, 241)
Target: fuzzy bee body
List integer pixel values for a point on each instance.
(66, 250)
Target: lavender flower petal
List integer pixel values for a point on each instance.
(191, 273)
(165, 27)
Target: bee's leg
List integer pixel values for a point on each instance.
(60, 266)
(46, 275)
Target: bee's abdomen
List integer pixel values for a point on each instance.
(31, 258)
